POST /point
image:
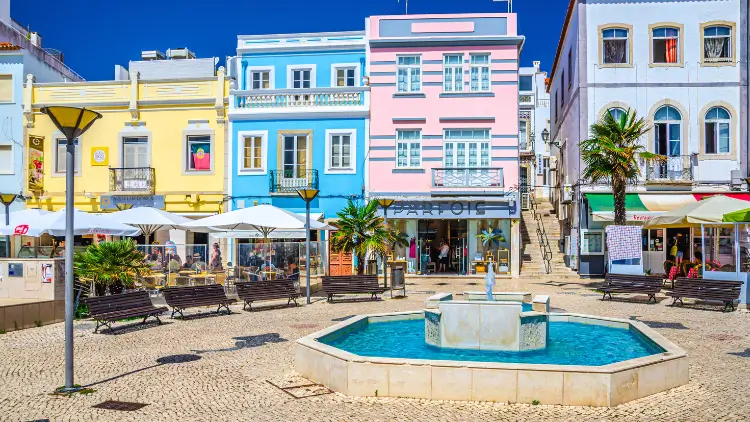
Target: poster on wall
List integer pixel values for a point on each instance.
(46, 273)
(36, 163)
(574, 249)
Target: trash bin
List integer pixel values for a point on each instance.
(397, 277)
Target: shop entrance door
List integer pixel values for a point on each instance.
(431, 234)
(340, 263)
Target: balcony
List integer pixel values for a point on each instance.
(467, 178)
(526, 100)
(670, 170)
(288, 181)
(307, 99)
(135, 180)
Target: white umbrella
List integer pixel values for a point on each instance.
(263, 218)
(150, 220)
(54, 224)
(29, 214)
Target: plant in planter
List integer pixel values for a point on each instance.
(111, 265)
(490, 238)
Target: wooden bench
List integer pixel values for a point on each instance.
(181, 298)
(700, 288)
(254, 291)
(106, 310)
(351, 284)
(628, 283)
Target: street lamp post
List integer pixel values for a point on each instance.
(7, 199)
(307, 195)
(385, 203)
(72, 122)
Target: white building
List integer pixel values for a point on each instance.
(534, 102)
(681, 65)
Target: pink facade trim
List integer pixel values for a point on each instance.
(512, 20)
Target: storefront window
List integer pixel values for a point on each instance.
(719, 248)
(744, 247)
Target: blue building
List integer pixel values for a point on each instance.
(299, 117)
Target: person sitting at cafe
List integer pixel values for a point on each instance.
(188, 263)
(198, 263)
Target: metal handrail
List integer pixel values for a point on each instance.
(541, 235)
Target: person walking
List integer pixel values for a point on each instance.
(444, 251)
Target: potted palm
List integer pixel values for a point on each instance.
(361, 230)
(111, 266)
(491, 239)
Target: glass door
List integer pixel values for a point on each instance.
(294, 161)
(135, 163)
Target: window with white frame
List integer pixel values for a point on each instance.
(346, 76)
(466, 148)
(717, 44)
(453, 72)
(260, 79)
(135, 152)
(60, 155)
(717, 131)
(340, 150)
(665, 49)
(409, 71)
(6, 88)
(523, 134)
(617, 113)
(198, 150)
(6, 159)
(301, 78)
(668, 131)
(253, 151)
(409, 148)
(480, 72)
(615, 46)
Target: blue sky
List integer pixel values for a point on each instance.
(94, 35)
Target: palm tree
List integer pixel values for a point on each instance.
(399, 238)
(361, 229)
(111, 264)
(612, 153)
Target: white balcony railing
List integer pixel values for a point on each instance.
(526, 99)
(300, 98)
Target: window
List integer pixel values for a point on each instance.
(135, 152)
(408, 148)
(294, 158)
(615, 46)
(301, 78)
(522, 135)
(617, 113)
(346, 76)
(717, 131)
(6, 88)
(668, 131)
(260, 79)
(556, 110)
(409, 71)
(453, 73)
(717, 44)
(252, 152)
(665, 45)
(6, 159)
(60, 156)
(198, 153)
(340, 150)
(562, 90)
(525, 83)
(466, 148)
(570, 67)
(480, 72)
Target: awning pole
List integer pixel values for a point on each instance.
(703, 250)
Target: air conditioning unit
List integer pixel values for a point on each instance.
(567, 194)
(553, 163)
(180, 53)
(736, 180)
(152, 55)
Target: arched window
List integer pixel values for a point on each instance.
(615, 46)
(666, 42)
(717, 131)
(617, 113)
(668, 130)
(717, 44)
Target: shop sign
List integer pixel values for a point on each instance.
(449, 209)
(36, 163)
(110, 202)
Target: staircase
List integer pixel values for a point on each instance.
(540, 253)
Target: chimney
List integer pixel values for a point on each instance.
(5, 11)
(35, 38)
(536, 65)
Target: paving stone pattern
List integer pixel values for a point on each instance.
(218, 367)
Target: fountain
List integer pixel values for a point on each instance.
(508, 349)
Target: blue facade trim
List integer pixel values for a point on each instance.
(466, 94)
(504, 61)
(382, 84)
(483, 26)
(382, 148)
(407, 171)
(383, 63)
(383, 137)
(432, 62)
(432, 73)
(504, 147)
(409, 95)
(461, 119)
(409, 119)
(382, 73)
(504, 136)
(432, 148)
(432, 136)
(504, 82)
(432, 83)
(382, 158)
(504, 72)
(505, 159)
(432, 158)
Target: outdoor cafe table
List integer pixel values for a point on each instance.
(198, 279)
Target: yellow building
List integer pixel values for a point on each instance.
(160, 143)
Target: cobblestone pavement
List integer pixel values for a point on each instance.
(240, 352)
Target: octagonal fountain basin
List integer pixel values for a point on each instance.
(586, 361)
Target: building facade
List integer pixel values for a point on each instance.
(299, 118)
(444, 133)
(533, 120)
(160, 141)
(683, 67)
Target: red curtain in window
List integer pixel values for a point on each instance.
(671, 51)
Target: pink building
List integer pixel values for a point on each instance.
(444, 135)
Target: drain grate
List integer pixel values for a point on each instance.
(302, 391)
(120, 405)
(670, 325)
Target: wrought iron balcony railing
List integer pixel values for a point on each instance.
(300, 98)
(288, 181)
(135, 179)
(678, 168)
(484, 177)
